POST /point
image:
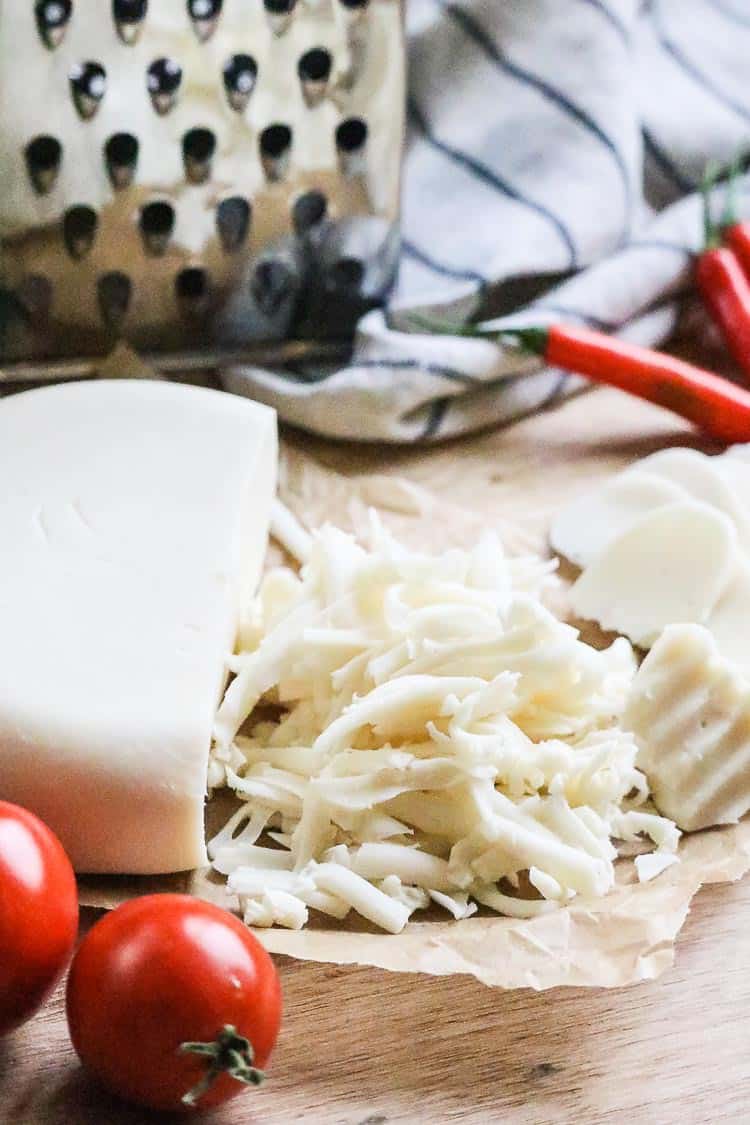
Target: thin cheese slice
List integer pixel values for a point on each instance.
(672, 566)
(690, 711)
(735, 471)
(730, 618)
(704, 478)
(585, 527)
(133, 523)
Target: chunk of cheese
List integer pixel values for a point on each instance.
(690, 711)
(133, 524)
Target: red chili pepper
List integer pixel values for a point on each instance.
(719, 407)
(736, 232)
(725, 288)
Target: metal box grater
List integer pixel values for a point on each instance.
(195, 174)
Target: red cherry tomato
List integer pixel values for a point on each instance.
(38, 913)
(171, 997)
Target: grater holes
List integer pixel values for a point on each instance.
(88, 85)
(79, 230)
(163, 80)
(43, 157)
(129, 16)
(233, 222)
(351, 135)
(275, 150)
(240, 76)
(204, 15)
(272, 283)
(279, 13)
(156, 224)
(35, 296)
(315, 65)
(345, 275)
(198, 148)
(192, 291)
(113, 292)
(121, 158)
(351, 139)
(308, 211)
(52, 19)
(314, 70)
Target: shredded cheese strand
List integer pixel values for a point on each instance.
(439, 737)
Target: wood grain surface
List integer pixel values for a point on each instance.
(365, 1047)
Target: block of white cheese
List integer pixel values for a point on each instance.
(689, 708)
(133, 523)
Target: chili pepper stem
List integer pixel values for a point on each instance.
(730, 213)
(435, 326)
(533, 340)
(711, 233)
(230, 1054)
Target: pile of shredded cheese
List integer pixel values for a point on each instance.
(420, 729)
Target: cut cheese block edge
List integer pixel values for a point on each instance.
(134, 529)
(672, 566)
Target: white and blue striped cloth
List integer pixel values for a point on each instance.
(554, 153)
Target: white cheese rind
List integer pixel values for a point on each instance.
(132, 531)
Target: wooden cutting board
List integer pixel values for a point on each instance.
(364, 1047)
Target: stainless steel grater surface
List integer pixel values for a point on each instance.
(190, 174)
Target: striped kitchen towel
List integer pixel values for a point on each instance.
(555, 150)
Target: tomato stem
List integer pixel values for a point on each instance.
(230, 1054)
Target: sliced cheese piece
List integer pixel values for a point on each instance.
(672, 566)
(689, 709)
(729, 621)
(735, 471)
(133, 523)
(584, 528)
(702, 478)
